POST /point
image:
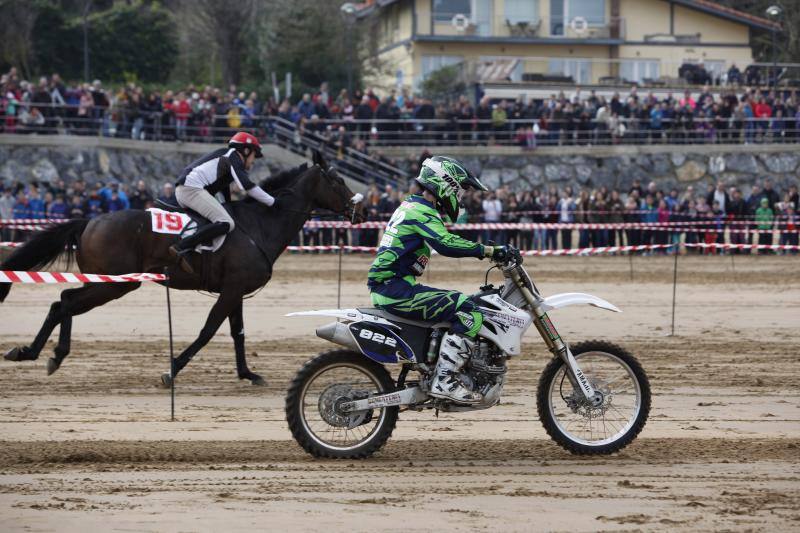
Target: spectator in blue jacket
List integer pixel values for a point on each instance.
(113, 188)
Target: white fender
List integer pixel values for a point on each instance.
(351, 315)
(564, 299)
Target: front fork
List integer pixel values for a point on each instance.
(555, 343)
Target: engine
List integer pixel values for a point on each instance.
(486, 372)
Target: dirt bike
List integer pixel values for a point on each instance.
(593, 397)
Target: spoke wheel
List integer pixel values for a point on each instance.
(314, 406)
(578, 425)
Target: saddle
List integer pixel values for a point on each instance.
(196, 221)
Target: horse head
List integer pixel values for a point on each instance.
(331, 192)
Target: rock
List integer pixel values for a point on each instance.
(44, 170)
(103, 161)
(741, 163)
(491, 178)
(14, 170)
(677, 158)
(716, 165)
(559, 172)
(584, 173)
(779, 163)
(519, 185)
(661, 164)
(532, 172)
(691, 171)
(508, 175)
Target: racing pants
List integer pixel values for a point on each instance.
(200, 201)
(407, 299)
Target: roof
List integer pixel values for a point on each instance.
(714, 8)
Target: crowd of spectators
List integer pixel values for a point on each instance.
(710, 212)
(78, 199)
(734, 114)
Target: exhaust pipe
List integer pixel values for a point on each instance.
(338, 333)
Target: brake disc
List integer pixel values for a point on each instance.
(330, 406)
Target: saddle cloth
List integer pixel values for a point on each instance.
(181, 222)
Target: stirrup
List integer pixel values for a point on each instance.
(180, 257)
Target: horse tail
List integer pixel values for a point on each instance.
(43, 250)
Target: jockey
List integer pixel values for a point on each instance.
(211, 174)
(416, 227)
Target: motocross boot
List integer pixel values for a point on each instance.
(446, 383)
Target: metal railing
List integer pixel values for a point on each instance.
(321, 134)
(520, 25)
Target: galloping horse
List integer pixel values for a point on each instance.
(122, 242)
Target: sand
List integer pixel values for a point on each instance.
(92, 447)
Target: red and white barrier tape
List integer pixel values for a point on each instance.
(722, 246)
(570, 251)
(17, 276)
(678, 227)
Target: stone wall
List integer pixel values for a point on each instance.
(619, 166)
(48, 158)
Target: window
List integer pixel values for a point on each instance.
(562, 13)
(579, 69)
(434, 63)
(637, 71)
(443, 10)
(594, 11)
(522, 11)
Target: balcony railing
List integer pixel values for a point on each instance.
(534, 27)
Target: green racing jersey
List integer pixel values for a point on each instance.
(416, 227)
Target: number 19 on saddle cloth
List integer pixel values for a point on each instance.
(171, 223)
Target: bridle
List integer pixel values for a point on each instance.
(350, 212)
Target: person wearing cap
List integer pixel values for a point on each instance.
(211, 174)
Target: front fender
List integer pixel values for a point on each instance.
(558, 301)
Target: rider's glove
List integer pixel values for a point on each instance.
(500, 254)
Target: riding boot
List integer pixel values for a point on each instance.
(446, 383)
(204, 234)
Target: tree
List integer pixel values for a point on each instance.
(308, 38)
(128, 40)
(788, 49)
(446, 82)
(16, 27)
(228, 22)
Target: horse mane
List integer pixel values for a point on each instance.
(283, 179)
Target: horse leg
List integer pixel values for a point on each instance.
(221, 310)
(62, 348)
(236, 320)
(31, 353)
(79, 301)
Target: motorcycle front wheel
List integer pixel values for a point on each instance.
(313, 406)
(585, 429)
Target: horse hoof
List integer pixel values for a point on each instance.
(18, 354)
(52, 366)
(258, 381)
(166, 380)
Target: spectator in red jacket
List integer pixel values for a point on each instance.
(183, 111)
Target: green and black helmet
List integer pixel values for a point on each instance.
(446, 179)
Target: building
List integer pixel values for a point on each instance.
(578, 41)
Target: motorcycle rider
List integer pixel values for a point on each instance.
(211, 174)
(415, 227)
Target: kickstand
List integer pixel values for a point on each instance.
(437, 412)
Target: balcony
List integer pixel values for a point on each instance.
(471, 27)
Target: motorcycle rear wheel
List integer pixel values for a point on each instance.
(608, 428)
(315, 423)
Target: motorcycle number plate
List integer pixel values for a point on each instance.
(380, 344)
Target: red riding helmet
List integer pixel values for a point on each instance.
(243, 139)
